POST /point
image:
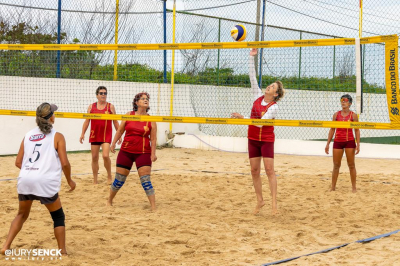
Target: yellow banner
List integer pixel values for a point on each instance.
(181, 46)
(217, 120)
(392, 80)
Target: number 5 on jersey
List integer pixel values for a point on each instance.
(37, 155)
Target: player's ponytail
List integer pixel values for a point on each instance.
(42, 112)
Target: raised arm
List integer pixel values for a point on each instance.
(252, 74)
(255, 90)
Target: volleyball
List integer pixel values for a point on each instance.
(238, 33)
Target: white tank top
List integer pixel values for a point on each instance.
(40, 173)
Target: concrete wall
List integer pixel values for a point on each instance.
(283, 146)
(71, 95)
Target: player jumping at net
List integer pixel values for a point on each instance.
(100, 132)
(344, 142)
(261, 138)
(139, 147)
(41, 157)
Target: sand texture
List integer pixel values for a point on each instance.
(205, 201)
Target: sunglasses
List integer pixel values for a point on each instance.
(344, 100)
(102, 93)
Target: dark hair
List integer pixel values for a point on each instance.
(348, 97)
(137, 98)
(44, 124)
(100, 88)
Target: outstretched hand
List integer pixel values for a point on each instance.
(236, 115)
(253, 51)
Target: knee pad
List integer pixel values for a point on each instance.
(118, 182)
(147, 186)
(58, 217)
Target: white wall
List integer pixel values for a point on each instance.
(14, 128)
(22, 93)
(283, 146)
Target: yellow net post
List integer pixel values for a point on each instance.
(116, 41)
(172, 65)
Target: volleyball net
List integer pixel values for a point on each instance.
(205, 82)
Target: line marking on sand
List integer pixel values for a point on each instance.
(366, 240)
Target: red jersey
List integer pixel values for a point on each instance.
(344, 134)
(137, 136)
(100, 130)
(264, 133)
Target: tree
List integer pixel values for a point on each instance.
(346, 67)
(198, 59)
(75, 64)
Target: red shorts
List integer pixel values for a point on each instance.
(126, 159)
(351, 144)
(261, 148)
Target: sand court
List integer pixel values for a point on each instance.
(205, 201)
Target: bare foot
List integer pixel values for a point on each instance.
(3, 251)
(153, 208)
(354, 190)
(332, 189)
(258, 207)
(109, 181)
(95, 182)
(109, 203)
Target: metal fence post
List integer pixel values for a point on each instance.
(58, 73)
(165, 40)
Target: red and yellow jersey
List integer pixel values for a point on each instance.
(100, 130)
(137, 136)
(344, 134)
(264, 133)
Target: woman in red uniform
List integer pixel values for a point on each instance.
(344, 142)
(139, 147)
(100, 132)
(262, 138)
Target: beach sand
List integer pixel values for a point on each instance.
(205, 201)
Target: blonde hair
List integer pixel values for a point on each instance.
(280, 90)
(44, 124)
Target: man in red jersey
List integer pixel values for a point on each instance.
(344, 142)
(100, 132)
(261, 138)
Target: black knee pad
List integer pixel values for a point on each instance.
(58, 217)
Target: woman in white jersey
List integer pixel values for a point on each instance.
(261, 138)
(41, 157)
